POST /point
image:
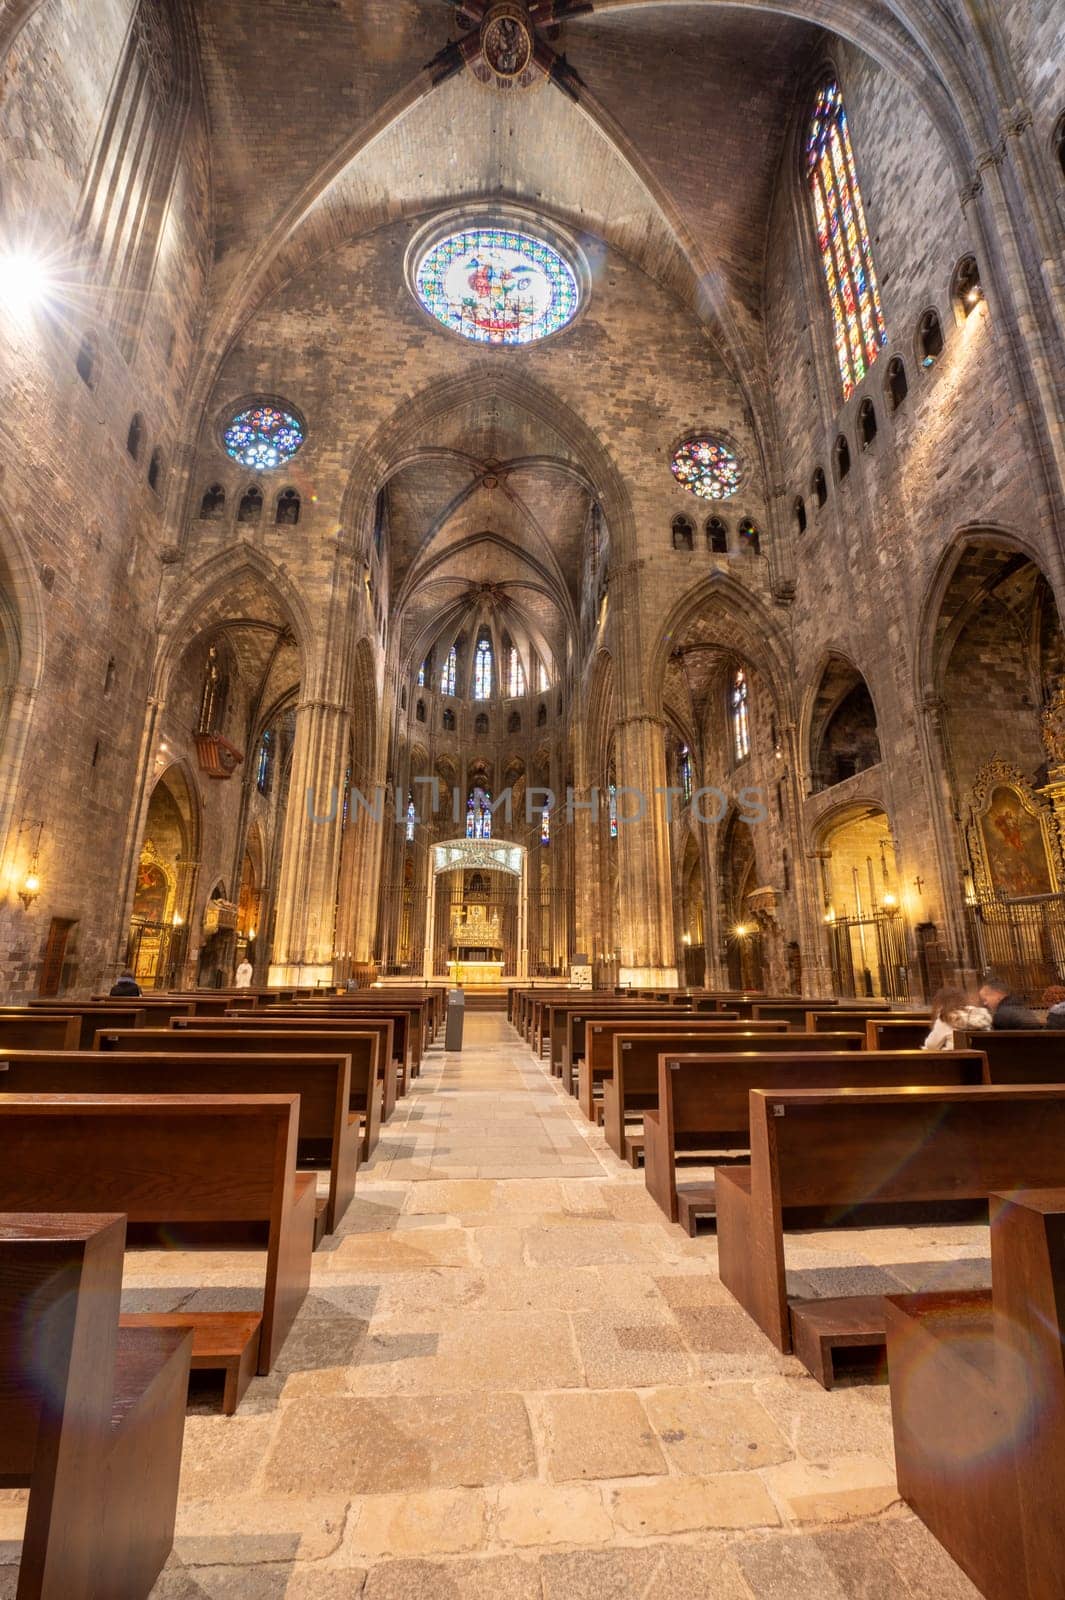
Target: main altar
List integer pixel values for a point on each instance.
(475, 946)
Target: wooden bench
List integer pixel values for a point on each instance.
(328, 1136)
(91, 1418)
(367, 1094)
(843, 1153)
(703, 1102)
(1021, 1055)
(630, 1080)
(978, 1405)
(52, 1032)
(896, 1033)
(569, 1025)
(388, 1068)
(597, 1064)
(828, 1021)
(91, 1018)
(158, 1009)
(397, 1022)
(196, 1169)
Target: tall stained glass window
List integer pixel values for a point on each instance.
(482, 671)
(515, 674)
(266, 756)
(412, 817)
(421, 676)
(843, 239)
(545, 826)
(685, 767)
(542, 680)
(741, 718)
(447, 676)
(613, 809)
(479, 814)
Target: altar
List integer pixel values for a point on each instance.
(475, 946)
(471, 973)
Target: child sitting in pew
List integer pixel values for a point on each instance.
(953, 1008)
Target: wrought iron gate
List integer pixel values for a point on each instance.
(1020, 941)
(869, 956)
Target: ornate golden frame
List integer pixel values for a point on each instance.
(996, 774)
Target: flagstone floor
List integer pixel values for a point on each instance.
(513, 1379)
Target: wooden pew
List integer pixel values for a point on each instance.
(158, 1008)
(402, 1032)
(367, 1096)
(411, 1018)
(838, 1152)
(828, 1021)
(55, 1031)
(90, 1018)
(1022, 1055)
(978, 1405)
(329, 1133)
(629, 1079)
(569, 1024)
(896, 1033)
(597, 1063)
(702, 1102)
(382, 1027)
(91, 1418)
(218, 1168)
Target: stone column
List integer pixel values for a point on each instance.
(310, 855)
(645, 882)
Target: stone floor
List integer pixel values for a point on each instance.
(514, 1380)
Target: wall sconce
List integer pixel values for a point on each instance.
(177, 920)
(890, 903)
(31, 884)
(830, 915)
(251, 935)
(741, 930)
(685, 938)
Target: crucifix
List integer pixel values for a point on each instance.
(918, 883)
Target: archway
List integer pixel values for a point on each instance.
(165, 884)
(993, 605)
(477, 915)
(863, 917)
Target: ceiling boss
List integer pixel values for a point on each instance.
(508, 44)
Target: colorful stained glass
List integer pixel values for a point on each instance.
(706, 468)
(515, 674)
(843, 239)
(741, 718)
(263, 437)
(412, 818)
(479, 814)
(612, 809)
(421, 676)
(447, 676)
(497, 286)
(685, 766)
(482, 671)
(545, 826)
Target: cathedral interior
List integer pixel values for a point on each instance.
(501, 491)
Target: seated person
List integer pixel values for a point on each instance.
(1006, 1011)
(127, 987)
(1054, 1000)
(952, 1008)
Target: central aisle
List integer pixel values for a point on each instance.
(514, 1380)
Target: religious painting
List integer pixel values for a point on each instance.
(152, 892)
(1013, 842)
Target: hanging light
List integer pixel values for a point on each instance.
(31, 883)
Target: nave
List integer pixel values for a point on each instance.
(513, 1378)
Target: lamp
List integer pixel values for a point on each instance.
(741, 930)
(31, 884)
(890, 902)
(177, 920)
